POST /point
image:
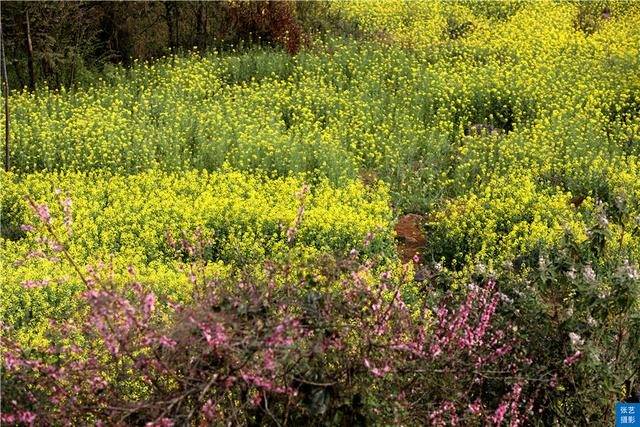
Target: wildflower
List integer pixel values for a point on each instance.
(499, 414)
(553, 383)
(214, 337)
(576, 340)
(573, 358)
(377, 372)
(166, 341)
(209, 410)
(481, 268)
(542, 263)
(571, 274)
(626, 270)
(505, 298)
(269, 360)
(588, 273)
(31, 284)
(149, 304)
(164, 422)
(603, 222)
(26, 417)
(11, 361)
(43, 213)
(368, 239)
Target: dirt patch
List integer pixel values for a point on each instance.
(411, 238)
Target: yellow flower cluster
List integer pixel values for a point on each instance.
(150, 220)
(560, 98)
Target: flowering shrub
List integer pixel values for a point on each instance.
(584, 297)
(330, 341)
(575, 300)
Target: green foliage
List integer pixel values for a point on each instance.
(513, 127)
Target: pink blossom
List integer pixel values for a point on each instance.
(269, 363)
(486, 319)
(209, 410)
(411, 347)
(164, 422)
(97, 383)
(43, 213)
(279, 336)
(26, 417)
(377, 372)
(265, 383)
(31, 284)
(214, 337)
(256, 399)
(435, 350)
(11, 361)
(553, 383)
(166, 341)
(498, 416)
(475, 407)
(229, 381)
(149, 304)
(8, 418)
(502, 351)
(573, 359)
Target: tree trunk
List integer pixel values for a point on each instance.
(170, 16)
(5, 86)
(16, 70)
(201, 27)
(32, 75)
